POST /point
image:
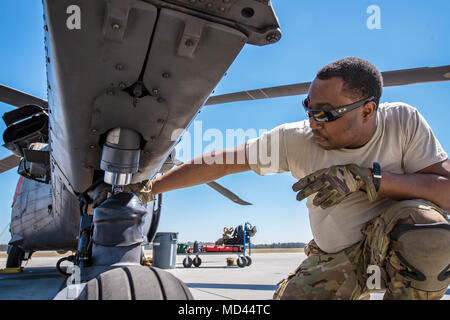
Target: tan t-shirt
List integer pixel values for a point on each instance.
(403, 143)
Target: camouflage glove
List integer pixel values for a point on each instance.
(334, 184)
(141, 189)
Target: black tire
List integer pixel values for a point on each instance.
(197, 262)
(249, 260)
(15, 257)
(241, 262)
(135, 283)
(187, 262)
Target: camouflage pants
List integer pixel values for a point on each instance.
(344, 275)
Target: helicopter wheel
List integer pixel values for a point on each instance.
(249, 260)
(197, 262)
(187, 262)
(241, 261)
(135, 283)
(15, 257)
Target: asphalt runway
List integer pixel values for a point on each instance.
(213, 280)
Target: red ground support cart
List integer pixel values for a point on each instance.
(243, 260)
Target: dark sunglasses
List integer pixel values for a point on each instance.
(333, 114)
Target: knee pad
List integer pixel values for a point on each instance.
(424, 250)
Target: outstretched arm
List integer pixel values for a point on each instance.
(203, 169)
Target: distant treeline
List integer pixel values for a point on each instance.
(283, 245)
(279, 245)
(4, 247)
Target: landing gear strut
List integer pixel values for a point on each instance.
(112, 269)
(15, 257)
(110, 246)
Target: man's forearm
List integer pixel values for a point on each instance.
(200, 170)
(187, 175)
(431, 187)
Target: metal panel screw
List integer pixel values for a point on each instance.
(115, 26)
(166, 75)
(119, 66)
(189, 43)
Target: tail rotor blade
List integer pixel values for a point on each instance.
(18, 98)
(219, 188)
(9, 162)
(227, 193)
(273, 92)
(390, 78)
(417, 75)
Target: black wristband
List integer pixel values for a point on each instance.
(376, 174)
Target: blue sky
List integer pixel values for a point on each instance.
(412, 34)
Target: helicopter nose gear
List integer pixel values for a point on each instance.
(117, 233)
(120, 156)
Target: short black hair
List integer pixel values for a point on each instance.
(362, 79)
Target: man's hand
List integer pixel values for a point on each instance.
(142, 189)
(334, 184)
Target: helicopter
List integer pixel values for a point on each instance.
(89, 132)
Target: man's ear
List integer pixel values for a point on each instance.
(368, 111)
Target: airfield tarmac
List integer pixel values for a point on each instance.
(213, 280)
